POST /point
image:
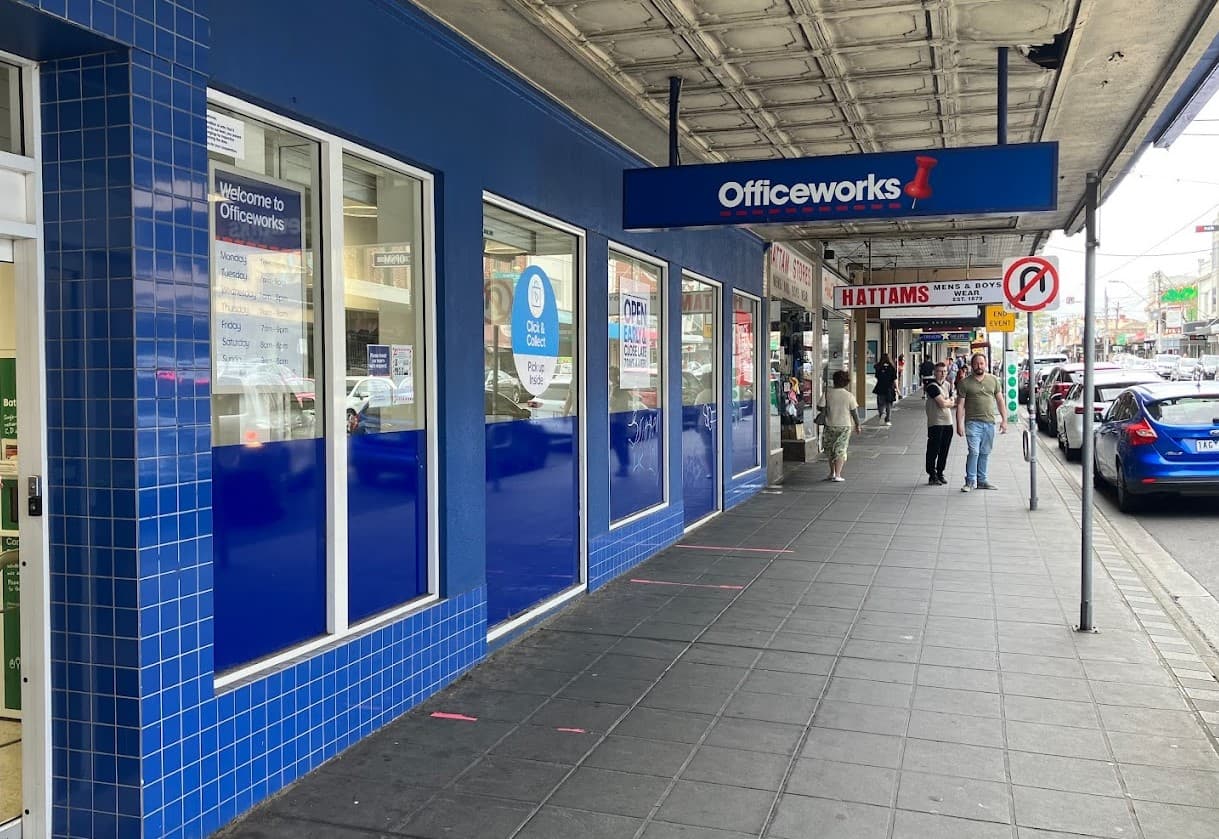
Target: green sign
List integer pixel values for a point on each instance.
(10, 597)
(1184, 294)
(8, 399)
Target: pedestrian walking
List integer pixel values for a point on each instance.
(901, 374)
(939, 407)
(926, 372)
(841, 415)
(979, 405)
(886, 388)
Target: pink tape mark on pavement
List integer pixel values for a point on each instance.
(731, 548)
(687, 585)
(440, 715)
(572, 730)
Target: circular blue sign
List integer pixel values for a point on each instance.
(535, 330)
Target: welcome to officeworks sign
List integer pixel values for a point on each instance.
(977, 180)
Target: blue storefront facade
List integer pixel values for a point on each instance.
(283, 243)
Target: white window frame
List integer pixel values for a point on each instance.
(571, 592)
(334, 366)
(757, 428)
(666, 409)
(718, 354)
(30, 275)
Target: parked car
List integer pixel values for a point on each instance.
(1160, 438)
(1209, 365)
(1187, 370)
(1040, 364)
(1164, 364)
(1054, 389)
(1106, 385)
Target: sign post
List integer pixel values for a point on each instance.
(1030, 284)
(1088, 452)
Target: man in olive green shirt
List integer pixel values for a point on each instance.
(979, 404)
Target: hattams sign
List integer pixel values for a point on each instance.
(961, 181)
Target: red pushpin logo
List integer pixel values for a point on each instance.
(920, 187)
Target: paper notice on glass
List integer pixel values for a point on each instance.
(225, 135)
(402, 371)
(634, 340)
(258, 288)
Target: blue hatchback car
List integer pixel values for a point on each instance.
(1160, 438)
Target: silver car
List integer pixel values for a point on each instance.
(1107, 384)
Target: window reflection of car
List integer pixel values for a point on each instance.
(498, 407)
(513, 446)
(363, 390)
(262, 404)
(509, 386)
(555, 401)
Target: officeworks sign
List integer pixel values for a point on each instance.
(979, 180)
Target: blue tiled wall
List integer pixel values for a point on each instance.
(609, 554)
(91, 443)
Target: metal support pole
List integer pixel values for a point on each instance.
(1032, 422)
(1087, 453)
(674, 100)
(1002, 103)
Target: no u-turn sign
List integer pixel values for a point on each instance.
(1030, 283)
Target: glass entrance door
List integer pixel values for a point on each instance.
(10, 573)
(700, 398)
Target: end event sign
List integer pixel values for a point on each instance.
(976, 180)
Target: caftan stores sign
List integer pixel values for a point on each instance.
(947, 293)
(791, 277)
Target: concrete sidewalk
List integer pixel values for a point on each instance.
(871, 659)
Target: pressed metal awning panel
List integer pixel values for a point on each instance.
(770, 79)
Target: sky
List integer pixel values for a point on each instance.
(1147, 223)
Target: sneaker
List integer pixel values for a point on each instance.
(933, 481)
(967, 487)
(987, 485)
(941, 480)
(887, 423)
(837, 479)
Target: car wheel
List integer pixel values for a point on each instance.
(1126, 501)
(1097, 478)
(1073, 454)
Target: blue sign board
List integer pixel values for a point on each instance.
(535, 330)
(257, 214)
(932, 337)
(378, 359)
(977, 180)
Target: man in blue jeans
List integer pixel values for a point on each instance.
(979, 406)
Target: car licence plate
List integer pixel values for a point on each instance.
(1206, 445)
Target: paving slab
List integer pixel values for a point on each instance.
(894, 676)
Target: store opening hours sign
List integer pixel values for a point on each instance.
(258, 289)
(947, 293)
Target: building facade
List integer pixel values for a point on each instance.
(286, 496)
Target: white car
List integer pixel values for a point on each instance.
(361, 390)
(1164, 364)
(1107, 384)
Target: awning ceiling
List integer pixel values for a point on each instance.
(791, 78)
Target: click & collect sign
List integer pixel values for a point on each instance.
(535, 330)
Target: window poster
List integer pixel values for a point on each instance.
(258, 286)
(634, 345)
(402, 371)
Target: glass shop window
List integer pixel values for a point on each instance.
(11, 133)
(744, 387)
(383, 275)
(636, 385)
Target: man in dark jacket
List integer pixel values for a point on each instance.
(926, 372)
